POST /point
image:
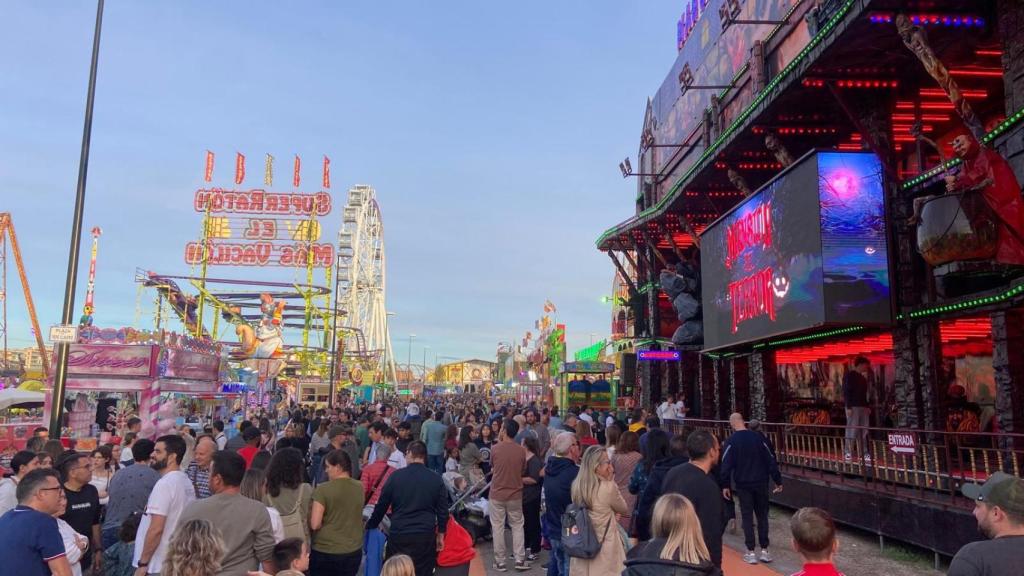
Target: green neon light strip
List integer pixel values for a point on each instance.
(986, 139)
(973, 303)
(713, 149)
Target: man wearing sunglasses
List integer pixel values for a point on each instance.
(32, 542)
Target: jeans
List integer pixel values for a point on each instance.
(436, 462)
(754, 501)
(324, 564)
(422, 548)
(857, 421)
(558, 562)
(109, 537)
(513, 509)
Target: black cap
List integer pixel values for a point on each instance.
(1001, 489)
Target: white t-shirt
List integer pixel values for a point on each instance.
(126, 455)
(276, 524)
(8, 495)
(71, 550)
(679, 410)
(171, 494)
(222, 440)
(587, 418)
(667, 411)
(397, 460)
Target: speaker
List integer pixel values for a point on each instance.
(627, 386)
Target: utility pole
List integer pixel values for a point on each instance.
(60, 378)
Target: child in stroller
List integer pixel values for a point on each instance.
(467, 506)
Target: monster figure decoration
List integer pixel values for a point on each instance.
(261, 347)
(915, 39)
(778, 149)
(269, 333)
(985, 171)
(683, 288)
(739, 182)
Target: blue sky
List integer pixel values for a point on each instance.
(491, 131)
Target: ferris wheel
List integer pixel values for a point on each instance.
(361, 286)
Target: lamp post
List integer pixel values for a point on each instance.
(408, 364)
(389, 353)
(60, 378)
(425, 348)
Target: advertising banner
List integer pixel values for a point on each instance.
(191, 365)
(713, 58)
(808, 249)
(115, 361)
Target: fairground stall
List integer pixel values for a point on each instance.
(113, 374)
(819, 181)
(586, 384)
(21, 412)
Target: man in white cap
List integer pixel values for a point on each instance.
(999, 510)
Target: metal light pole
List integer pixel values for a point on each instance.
(408, 365)
(425, 348)
(60, 378)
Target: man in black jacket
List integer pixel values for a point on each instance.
(747, 464)
(652, 491)
(694, 481)
(419, 511)
(559, 473)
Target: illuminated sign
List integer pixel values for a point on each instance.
(691, 14)
(111, 360)
(261, 202)
(659, 355)
(806, 250)
(234, 388)
(259, 254)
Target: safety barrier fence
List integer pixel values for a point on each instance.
(914, 464)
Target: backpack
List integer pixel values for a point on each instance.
(578, 536)
(292, 522)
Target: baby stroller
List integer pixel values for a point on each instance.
(468, 507)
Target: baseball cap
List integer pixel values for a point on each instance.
(1001, 489)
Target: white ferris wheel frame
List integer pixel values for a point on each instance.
(362, 281)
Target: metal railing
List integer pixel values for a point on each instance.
(929, 465)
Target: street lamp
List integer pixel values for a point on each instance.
(408, 364)
(425, 348)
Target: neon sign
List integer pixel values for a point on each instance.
(752, 297)
(753, 230)
(259, 254)
(691, 14)
(219, 200)
(658, 355)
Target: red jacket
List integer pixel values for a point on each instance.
(371, 475)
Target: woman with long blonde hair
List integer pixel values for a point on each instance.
(196, 549)
(595, 489)
(678, 545)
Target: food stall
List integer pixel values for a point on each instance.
(115, 373)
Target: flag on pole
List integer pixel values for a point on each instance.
(268, 171)
(208, 174)
(239, 167)
(298, 167)
(327, 172)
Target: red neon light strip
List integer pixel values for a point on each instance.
(979, 73)
(941, 93)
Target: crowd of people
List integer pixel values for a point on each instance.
(329, 491)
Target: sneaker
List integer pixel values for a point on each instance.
(765, 556)
(500, 567)
(750, 557)
(522, 566)
(532, 556)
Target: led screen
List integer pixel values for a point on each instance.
(806, 250)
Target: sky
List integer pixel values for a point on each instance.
(491, 131)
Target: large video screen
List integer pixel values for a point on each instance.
(806, 250)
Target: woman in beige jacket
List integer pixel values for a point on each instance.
(595, 488)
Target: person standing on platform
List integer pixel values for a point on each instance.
(747, 466)
(508, 465)
(858, 412)
(693, 480)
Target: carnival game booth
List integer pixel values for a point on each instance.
(21, 411)
(587, 384)
(114, 374)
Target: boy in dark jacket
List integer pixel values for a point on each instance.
(559, 473)
(747, 465)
